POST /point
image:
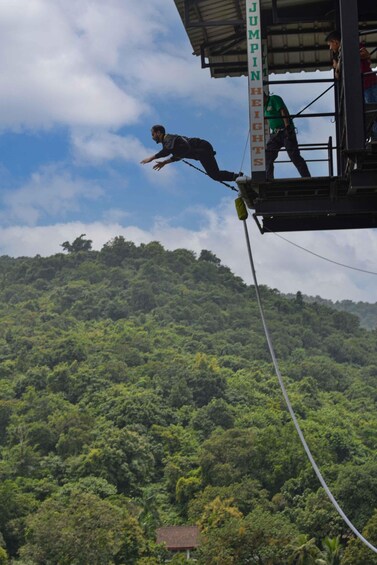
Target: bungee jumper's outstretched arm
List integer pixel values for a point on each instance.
(168, 142)
(147, 160)
(160, 164)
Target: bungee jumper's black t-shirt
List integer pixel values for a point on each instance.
(181, 147)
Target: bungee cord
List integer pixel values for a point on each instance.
(243, 214)
(321, 256)
(244, 151)
(204, 173)
(286, 397)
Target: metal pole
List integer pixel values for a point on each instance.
(331, 163)
(351, 75)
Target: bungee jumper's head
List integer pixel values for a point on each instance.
(158, 133)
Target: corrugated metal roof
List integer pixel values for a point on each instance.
(295, 32)
(179, 537)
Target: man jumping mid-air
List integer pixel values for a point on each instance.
(180, 147)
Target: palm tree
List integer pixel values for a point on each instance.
(332, 550)
(306, 552)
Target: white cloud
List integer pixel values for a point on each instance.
(289, 269)
(100, 146)
(97, 64)
(50, 192)
(161, 74)
(115, 216)
(46, 240)
(65, 56)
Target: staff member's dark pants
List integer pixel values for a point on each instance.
(286, 139)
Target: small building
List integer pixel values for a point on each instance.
(179, 538)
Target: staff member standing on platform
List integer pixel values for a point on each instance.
(282, 135)
(333, 40)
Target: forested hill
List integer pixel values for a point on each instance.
(137, 391)
(365, 311)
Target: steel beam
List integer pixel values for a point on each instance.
(351, 75)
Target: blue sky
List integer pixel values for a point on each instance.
(82, 83)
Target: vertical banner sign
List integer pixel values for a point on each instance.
(255, 74)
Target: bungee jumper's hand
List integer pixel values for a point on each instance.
(146, 160)
(158, 166)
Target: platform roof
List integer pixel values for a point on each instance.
(295, 32)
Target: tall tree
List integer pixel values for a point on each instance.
(78, 244)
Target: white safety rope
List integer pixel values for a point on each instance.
(289, 406)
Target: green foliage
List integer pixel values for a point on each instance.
(356, 488)
(85, 529)
(229, 538)
(246, 496)
(227, 457)
(366, 312)
(316, 515)
(216, 414)
(136, 390)
(305, 552)
(357, 553)
(332, 551)
(3, 556)
(123, 457)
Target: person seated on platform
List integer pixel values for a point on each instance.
(283, 134)
(180, 147)
(334, 42)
